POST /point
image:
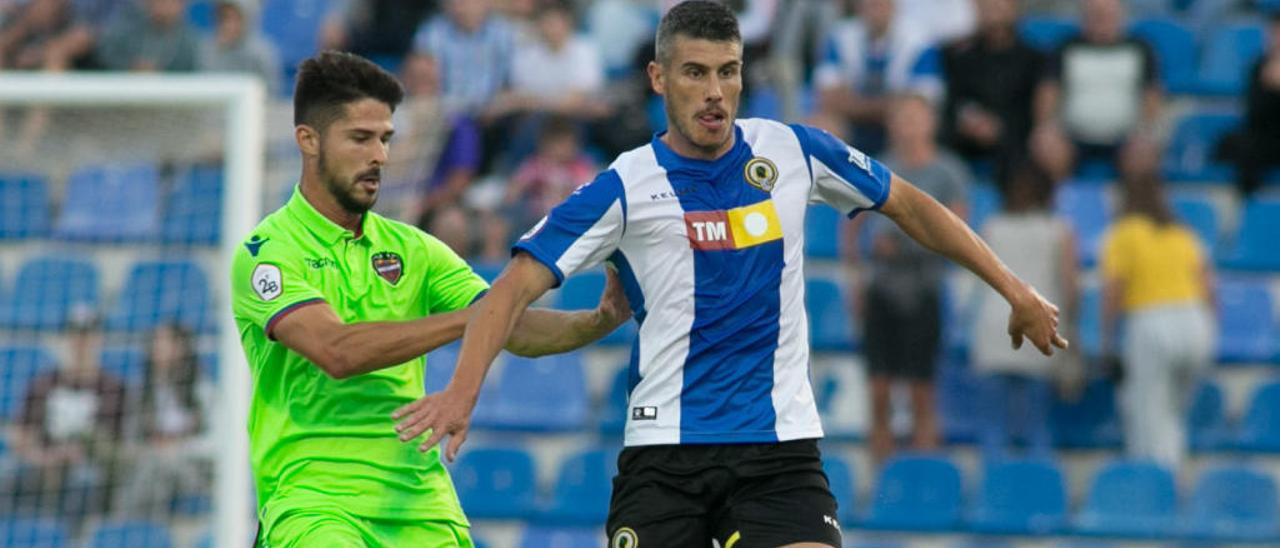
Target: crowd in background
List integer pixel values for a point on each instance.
(946, 92)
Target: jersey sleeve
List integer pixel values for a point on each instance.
(842, 176)
(582, 231)
(451, 284)
(269, 284)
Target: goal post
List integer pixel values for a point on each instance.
(241, 100)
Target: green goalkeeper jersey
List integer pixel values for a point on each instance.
(321, 442)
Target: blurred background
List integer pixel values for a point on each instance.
(1120, 155)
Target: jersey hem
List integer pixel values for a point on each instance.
(540, 256)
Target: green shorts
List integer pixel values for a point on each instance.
(332, 527)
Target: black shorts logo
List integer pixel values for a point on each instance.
(624, 538)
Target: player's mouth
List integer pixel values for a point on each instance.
(369, 180)
(712, 120)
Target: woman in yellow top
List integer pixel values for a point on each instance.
(1156, 274)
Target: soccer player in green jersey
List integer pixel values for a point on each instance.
(336, 306)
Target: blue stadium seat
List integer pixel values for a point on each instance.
(193, 211)
(613, 411)
(19, 365)
(581, 495)
(1188, 157)
(1175, 48)
(916, 493)
(1258, 432)
(1047, 33)
(1090, 320)
(561, 537)
(1228, 54)
(841, 478)
(31, 532)
(822, 232)
(131, 534)
(1207, 421)
(537, 395)
(24, 206)
(162, 291)
(1246, 322)
(46, 291)
(1199, 215)
(582, 292)
(1255, 247)
(488, 271)
(1087, 209)
(118, 203)
(1090, 422)
(293, 26)
(495, 483)
(1020, 497)
(1233, 504)
(125, 363)
(830, 327)
(984, 201)
(1130, 499)
(440, 364)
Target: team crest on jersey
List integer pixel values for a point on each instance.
(761, 173)
(388, 265)
(624, 538)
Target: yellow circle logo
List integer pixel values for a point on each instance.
(761, 173)
(624, 538)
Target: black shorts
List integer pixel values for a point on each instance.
(902, 344)
(744, 496)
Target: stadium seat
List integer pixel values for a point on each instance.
(47, 289)
(822, 232)
(1233, 504)
(1130, 499)
(581, 495)
(1246, 321)
(1199, 215)
(1258, 432)
(293, 26)
(830, 327)
(1087, 209)
(1090, 422)
(159, 292)
(1020, 497)
(582, 292)
(117, 203)
(916, 493)
(31, 532)
(840, 477)
(495, 483)
(131, 534)
(125, 363)
(488, 271)
(1175, 48)
(1047, 33)
(1228, 54)
(561, 537)
(440, 364)
(984, 201)
(1188, 156)
(1207, 421)
(1255, 247)
(19, 365)
(24, 206)
(193, 210)
(613, 410)
(537, 395)
(1090, 320)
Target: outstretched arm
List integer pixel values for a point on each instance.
(541, 332)
(344, 350)
(936, 228)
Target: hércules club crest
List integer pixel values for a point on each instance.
(388, 265)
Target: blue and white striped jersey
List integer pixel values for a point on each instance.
(711, 255)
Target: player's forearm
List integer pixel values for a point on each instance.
(370, 346)
(541, 332)
(488, 330)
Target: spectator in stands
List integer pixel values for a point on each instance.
(548, 177)
(941, 20)
(1015, 385)
(901, 303)
(377, 29)
(1258, 148)
(1156, 274)
(237, 45)
(866, 61)
(28, 39)
(170, 422)
(991, 77)
(1101, 87)
(68, 433)
(155, 39)
(474, 48)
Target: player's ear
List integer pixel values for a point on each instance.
(657, 79)
(308, 139)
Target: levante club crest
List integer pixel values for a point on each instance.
(388, 265)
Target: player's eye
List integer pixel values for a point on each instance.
(694, 73)
(728, 72)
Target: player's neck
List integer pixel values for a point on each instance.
(328, 206)
(686, 149)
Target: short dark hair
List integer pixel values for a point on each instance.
(695, 19)
(331, 79)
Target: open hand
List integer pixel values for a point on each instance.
(614, 308)
(1035, 318)
(445, 412)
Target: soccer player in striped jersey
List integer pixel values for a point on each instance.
(705, 225)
